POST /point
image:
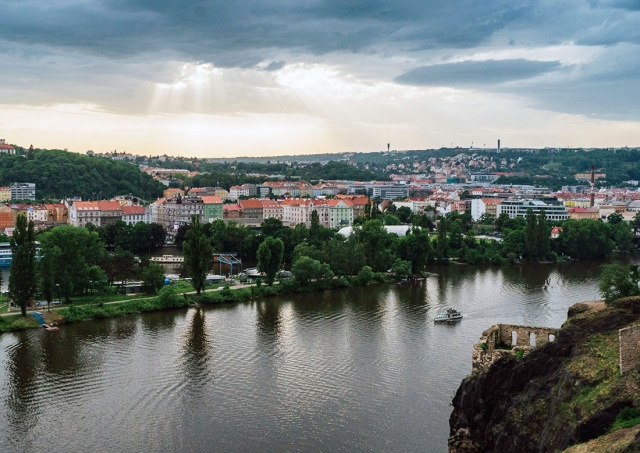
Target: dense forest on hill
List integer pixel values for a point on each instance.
(560, 167)
(236, 173)
(59, 174)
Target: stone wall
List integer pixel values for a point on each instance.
(629, 349)
(508, 339)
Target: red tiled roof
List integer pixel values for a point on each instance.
(132, 210)
(211, 199)
(250, 203)
(109, 206)
(268, 203)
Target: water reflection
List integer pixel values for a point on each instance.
(197, 351)
(23, 366)
(359, 369)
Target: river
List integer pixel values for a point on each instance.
(361, 369)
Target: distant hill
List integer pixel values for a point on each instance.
(59, 174)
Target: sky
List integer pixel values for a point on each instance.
(281, 77)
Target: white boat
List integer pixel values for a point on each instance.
(167, 259)
(450, 314)
(214, 278)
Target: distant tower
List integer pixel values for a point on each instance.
(388, 147)
(592, 198)
(498, 146)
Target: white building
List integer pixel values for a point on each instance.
(23, 191)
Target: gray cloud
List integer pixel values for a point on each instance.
(274, 66)
(470, 73)
(109, 52)
(210, 29)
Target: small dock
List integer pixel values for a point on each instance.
(43, 323)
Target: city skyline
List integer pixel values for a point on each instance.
(209, 79)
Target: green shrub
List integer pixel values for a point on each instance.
(168, 297)
(627, 417)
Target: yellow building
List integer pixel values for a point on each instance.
(5, 193)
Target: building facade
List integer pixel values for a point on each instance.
(23, 191)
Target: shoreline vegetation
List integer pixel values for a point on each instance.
(170, 298)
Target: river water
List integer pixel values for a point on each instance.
(362, 369)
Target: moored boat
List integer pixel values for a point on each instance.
(167, 259)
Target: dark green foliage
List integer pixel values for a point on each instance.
(626, 418)
(59, 174)
(401, 268)
(153, 278)
(73, 251)
(442, 243)
(168, 297)
(22, 279)
(377, 244)
(415, 247)
(585, 239)
(198, 254)
(365, 276)
(536, 237)
(270, 255)
(306, 269)
(619, 280)
(139, 239)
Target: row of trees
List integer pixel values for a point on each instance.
(66, 261)
(85, 260)
(523, 239)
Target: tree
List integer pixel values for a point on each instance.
(46, 271)
(543, 237)
(404, 214)
(271, 227)
(619, 280)
(442, 244)
(615, 218)
(391, 219)
(22, 279)
(622, 236)
(73, 251)
(377, 244)
(198, 253)
(585, 239)
(305, 269)
(401, 268)
(365, 275)
(270, 255)
(344, 257)
(415, 247)
(153, 277)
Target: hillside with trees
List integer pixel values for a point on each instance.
(59, 174)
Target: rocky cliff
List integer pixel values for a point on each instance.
(563, 393)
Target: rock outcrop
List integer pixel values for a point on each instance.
(561, 393)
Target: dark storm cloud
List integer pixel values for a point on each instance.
(210, 29)
(472, 73)
(92, 50)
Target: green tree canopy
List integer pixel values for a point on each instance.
(270, 255)
(22, 279)
(198, 254)
(619, 280)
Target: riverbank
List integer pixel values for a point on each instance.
(169, 298)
